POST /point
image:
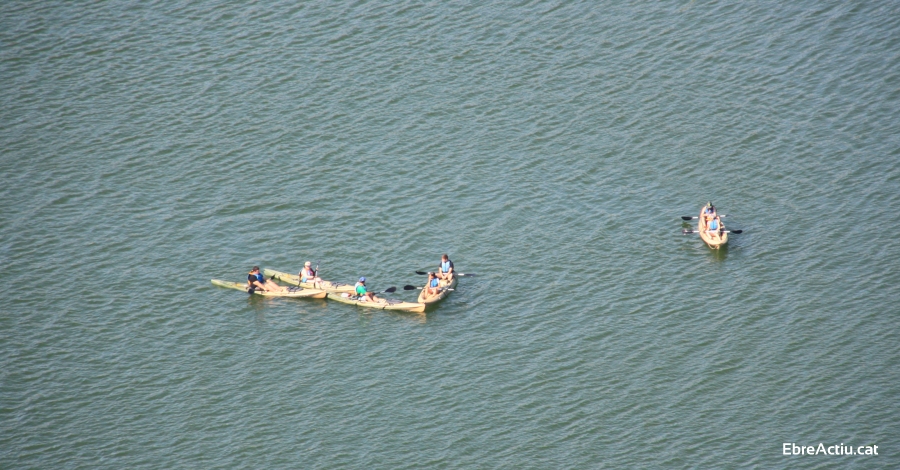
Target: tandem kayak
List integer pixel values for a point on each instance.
(386, 304)
(291, 292)
(294, 279)
(445, 289)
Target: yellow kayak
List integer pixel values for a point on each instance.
(387, 304)
(294, 280)
(292, 292)
(446, 287)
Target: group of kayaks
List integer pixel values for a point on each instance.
(710, 227)
(344, 293)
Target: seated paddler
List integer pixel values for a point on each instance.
(363, 292)
(433, 285)
(256, 280)
(709, 211)
(715, 225)
(308, 274)
(445, 270)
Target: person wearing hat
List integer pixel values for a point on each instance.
(709, 211)
(363, 292)
(257, 281)
(308, 274)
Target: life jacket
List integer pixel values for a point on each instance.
(446, 265)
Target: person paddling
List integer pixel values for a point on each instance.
(432, 288)
(445, 271)
(256, 280)
(709, 211)
(308, 274)
(363, 292)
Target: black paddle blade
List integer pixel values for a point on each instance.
(391, 289)
(409, 287)
(686, 217)
(737, 231)
(421, 272)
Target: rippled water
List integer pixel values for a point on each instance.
(549, 147)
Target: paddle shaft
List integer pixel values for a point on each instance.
(425, 273)
(409, 287)
(687, 217)
(688, 232)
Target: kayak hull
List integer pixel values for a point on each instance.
(291, 293)
(294, 280)
(346, 298)
(444, 292)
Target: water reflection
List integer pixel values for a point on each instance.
(412, 317)
(718, 254)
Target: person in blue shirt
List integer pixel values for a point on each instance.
(256, 280)
(433, 285)
(445, 271)
(715, 226)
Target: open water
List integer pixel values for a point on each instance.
(548, 147)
